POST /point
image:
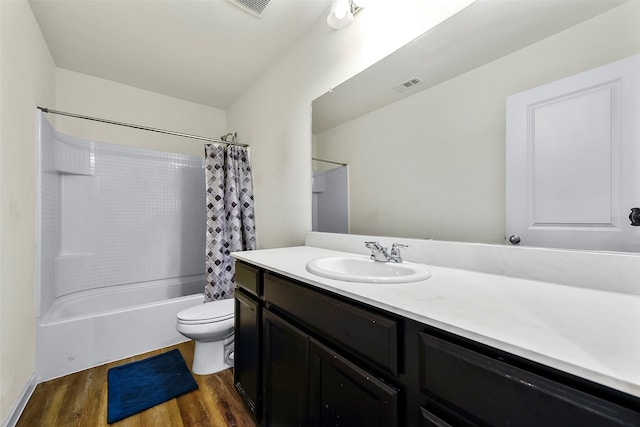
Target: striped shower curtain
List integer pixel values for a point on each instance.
(230, 217)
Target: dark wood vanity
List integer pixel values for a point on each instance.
(307, 357)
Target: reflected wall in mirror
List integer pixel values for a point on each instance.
(429, 162)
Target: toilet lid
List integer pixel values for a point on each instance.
(214, 311)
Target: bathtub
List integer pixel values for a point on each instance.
(94, 327)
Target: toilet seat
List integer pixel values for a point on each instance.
(215, 311)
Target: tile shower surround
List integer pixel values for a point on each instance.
(115, 215)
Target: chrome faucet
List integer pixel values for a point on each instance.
(380, 253)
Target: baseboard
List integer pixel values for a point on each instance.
(21, 403)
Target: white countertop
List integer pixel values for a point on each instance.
(590, 333)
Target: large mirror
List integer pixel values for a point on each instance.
(422, 132)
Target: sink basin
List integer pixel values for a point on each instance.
(364, 269)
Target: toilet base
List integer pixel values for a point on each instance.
(209, 357)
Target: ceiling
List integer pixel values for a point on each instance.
(204, 51)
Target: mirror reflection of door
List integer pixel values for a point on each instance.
(331, 200)
(572, 154)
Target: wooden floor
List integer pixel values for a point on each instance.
(80, 399)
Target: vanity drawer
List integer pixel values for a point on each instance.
(248, 278)
(499, 394)
(366, 334)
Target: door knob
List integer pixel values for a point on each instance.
(514, 239)
(634, 216)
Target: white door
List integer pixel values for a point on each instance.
(573, 160)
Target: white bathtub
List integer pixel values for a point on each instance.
(90, 328)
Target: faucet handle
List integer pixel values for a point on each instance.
(395, 250)
(374, 245)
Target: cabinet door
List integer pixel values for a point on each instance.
(342, 394)
(286, 365)
(247, 366)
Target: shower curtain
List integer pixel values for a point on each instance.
(230, 216)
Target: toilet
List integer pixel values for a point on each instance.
(210, 325)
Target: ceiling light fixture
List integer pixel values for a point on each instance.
(342, 12)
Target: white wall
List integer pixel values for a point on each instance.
(29, 78)
(92, 96)
(26, 79)
(450, 139)
(274, 113)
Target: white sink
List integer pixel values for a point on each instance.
(364, 269)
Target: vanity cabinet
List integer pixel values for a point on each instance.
(308, 383)
(247, 373)
(328, 360)
(364, 333)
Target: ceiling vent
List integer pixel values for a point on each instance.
(256, 7)
(408, 84)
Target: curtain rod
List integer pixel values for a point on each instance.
(328, 161)
(150, 129)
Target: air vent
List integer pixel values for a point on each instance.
(408, 84)
(256, 7)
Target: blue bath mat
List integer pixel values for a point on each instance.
(140, 385)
